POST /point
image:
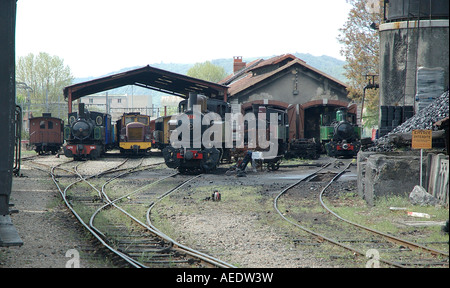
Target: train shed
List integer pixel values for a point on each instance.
(286, 78)
(151, 78)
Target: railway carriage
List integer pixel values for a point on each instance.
(46, 134)
(275, 131)
(285, 128)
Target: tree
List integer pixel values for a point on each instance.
(361, 51)
(46, 75)
(207, 71)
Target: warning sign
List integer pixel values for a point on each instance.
(421, 139)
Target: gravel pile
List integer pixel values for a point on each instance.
(424, 119)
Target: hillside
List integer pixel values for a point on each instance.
(329, 65)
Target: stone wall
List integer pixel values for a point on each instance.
(387, 174)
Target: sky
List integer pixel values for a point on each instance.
(96, 37)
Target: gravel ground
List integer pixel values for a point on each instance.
(242, 241)
(240, 235)
(49, 230)
(46, 227)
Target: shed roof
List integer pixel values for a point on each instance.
(248, 79)
(151, 78)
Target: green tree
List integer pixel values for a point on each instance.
(207, 71)
(46, 75)
(361, 50)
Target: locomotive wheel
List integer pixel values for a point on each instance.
(170, 157)
(211, 158)
(94, 154)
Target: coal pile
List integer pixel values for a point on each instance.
(424, 119)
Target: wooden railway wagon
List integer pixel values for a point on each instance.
(290, 140)
(46, 133)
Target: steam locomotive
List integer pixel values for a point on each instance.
(189, 153)
(88, 134)
(339, 135)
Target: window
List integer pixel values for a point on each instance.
(129, 120)
(50, 125)
(91, 100)
(143, 120)
(42, 125)
(119, 100)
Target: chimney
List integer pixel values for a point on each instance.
(238, 64)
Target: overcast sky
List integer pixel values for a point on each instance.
(95, 37)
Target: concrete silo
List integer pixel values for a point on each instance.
(414, 54)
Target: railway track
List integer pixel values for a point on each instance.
(379, 247)
(116, 214)
(118, 187)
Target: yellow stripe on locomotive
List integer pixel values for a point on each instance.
(134, 145)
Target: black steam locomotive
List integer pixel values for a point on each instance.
(88, 134)
(189, 150)
(340, 136)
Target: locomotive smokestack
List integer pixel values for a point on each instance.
(81, 110)
(192, 100)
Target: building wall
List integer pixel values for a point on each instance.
(119, 104)
(293, 86)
